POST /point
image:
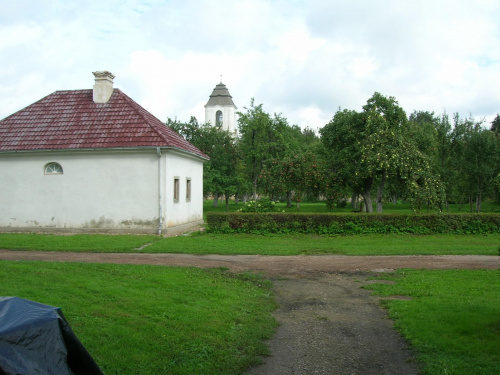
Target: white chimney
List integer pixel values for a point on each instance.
(103, 87)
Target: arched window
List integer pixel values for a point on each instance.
(218, 118)
(53, 168)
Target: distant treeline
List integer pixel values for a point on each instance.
(376, 155)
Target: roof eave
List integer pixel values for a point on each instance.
(142, 148)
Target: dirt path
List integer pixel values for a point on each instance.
(268, 265)
(328, 323)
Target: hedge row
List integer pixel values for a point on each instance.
(338, 224)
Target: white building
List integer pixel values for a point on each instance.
(96, 161)
(220, 109)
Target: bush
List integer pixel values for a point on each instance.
(348, 224)
(263, 204)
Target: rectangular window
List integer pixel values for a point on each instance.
(176, 189)
(188, 189)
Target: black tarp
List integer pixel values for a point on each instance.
(36, 339)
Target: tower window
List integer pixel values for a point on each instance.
(218, 118)
(53, 168)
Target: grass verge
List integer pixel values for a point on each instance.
(232, 244)
(452, 320)
(151, 319)
(77, 242)
(343, 245)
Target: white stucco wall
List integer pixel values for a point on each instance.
(98, 190)
(228, 119)
(183, 210)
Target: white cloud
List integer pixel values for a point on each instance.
(175, 87)
(303, 59)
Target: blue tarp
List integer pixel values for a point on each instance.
(36, 339)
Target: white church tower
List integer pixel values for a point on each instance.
(220, 109)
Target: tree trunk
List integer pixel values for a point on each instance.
(288, 199)
(379, 193)
(470, 202)
(478, 202)
(227, 202)
(368, 202)
(216, 199)
(298, 206)
(367, 195)
(354, 200)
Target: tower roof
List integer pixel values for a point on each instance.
(220, 96)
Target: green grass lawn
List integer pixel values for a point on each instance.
(320, 207)
(452, 320)
(151, 319)
(343, 245)
(232, 244)
(76, 242)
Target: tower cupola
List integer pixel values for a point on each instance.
(220, 109)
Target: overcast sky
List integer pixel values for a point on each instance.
(303, 59)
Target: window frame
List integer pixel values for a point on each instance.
(188, 189)
(219, 118)
(55, 171)
(177, 182)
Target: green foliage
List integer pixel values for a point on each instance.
(154, 320)
(302, 174)
(265, 139)
(347, 224)
(263, 204)
(451, 320)
(376, 146)
(495, 126)
(469, 160)
(259, 141)
(426, 160)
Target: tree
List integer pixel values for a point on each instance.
(475, 158)
(372, 145)
(340, 138)
(301, 174)
(495, 126)
(188, 130)
(263, 139)
(255, 132)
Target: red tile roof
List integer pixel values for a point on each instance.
(71, 120)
